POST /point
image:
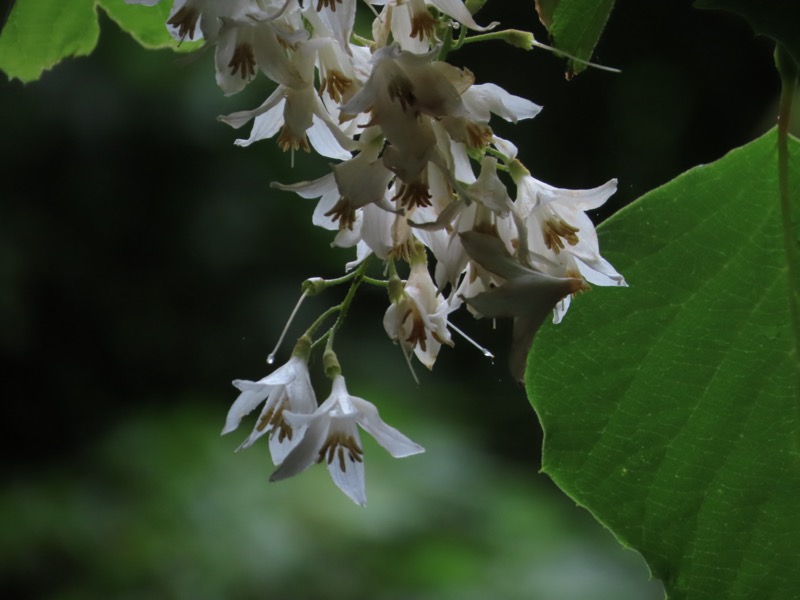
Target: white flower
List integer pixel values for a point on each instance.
(202, 18)
(332, 436)
(556, 222)
(295, 112)
(418, 320)
(361, 180)
(251, 42)
(288, 388)
(401, 87)
(480, 102)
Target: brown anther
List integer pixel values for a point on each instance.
(413, 194)
(243, 61)
(555, 232)
(288, 141)
(329, 3)
(343, 212)
(423, 25)
(185, 20)
(487, 228)
(402, 250)
(417, 335)
(336, 83)
(478, 136)
(335, 446)
(273, 419)
(264, 420)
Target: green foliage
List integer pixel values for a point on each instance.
(575, 27)
(41, 33)
(163, 508)
(670, 409)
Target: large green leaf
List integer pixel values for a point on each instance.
(671, 408)
(575, 26)
(41, 33)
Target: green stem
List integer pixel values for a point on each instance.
(447, 44)
(788, 70)
(485, 37)
(376, 282)
(357, 278)
(321, 319)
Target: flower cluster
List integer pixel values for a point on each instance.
(418, 177)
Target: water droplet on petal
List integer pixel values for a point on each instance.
(271, 358)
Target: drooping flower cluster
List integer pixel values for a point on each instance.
(418, 177)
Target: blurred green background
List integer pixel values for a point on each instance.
(145, 263)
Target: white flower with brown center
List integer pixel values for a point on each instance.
(332, 437)
(417, 318)
(557, 223)
(288, 388)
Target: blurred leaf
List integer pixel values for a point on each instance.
(576, 28)
(777, 19)
(670, 409)
(198, 521)
(41, 33)
(146, 24)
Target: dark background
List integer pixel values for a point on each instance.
(145, 263)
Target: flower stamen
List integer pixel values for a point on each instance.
(343, 212)
(413, 194)
(287, 140)
(423, 25)
(555, 232)
(329, 3)
(337, 83)
(335, 447)
(417, 334)
(185, 21)
(243, 61)
(478, 136)
(273, 419)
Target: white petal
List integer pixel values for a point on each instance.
(324, 141)
(488, 97)
(351, 479)
(362, 252)
(508, 149)
(305, 453)
(244, 405)
(279, 450)
(314, 188)
(457, 10)
(395, 443)
(340, 22)
(376, 230)
(462, 167)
